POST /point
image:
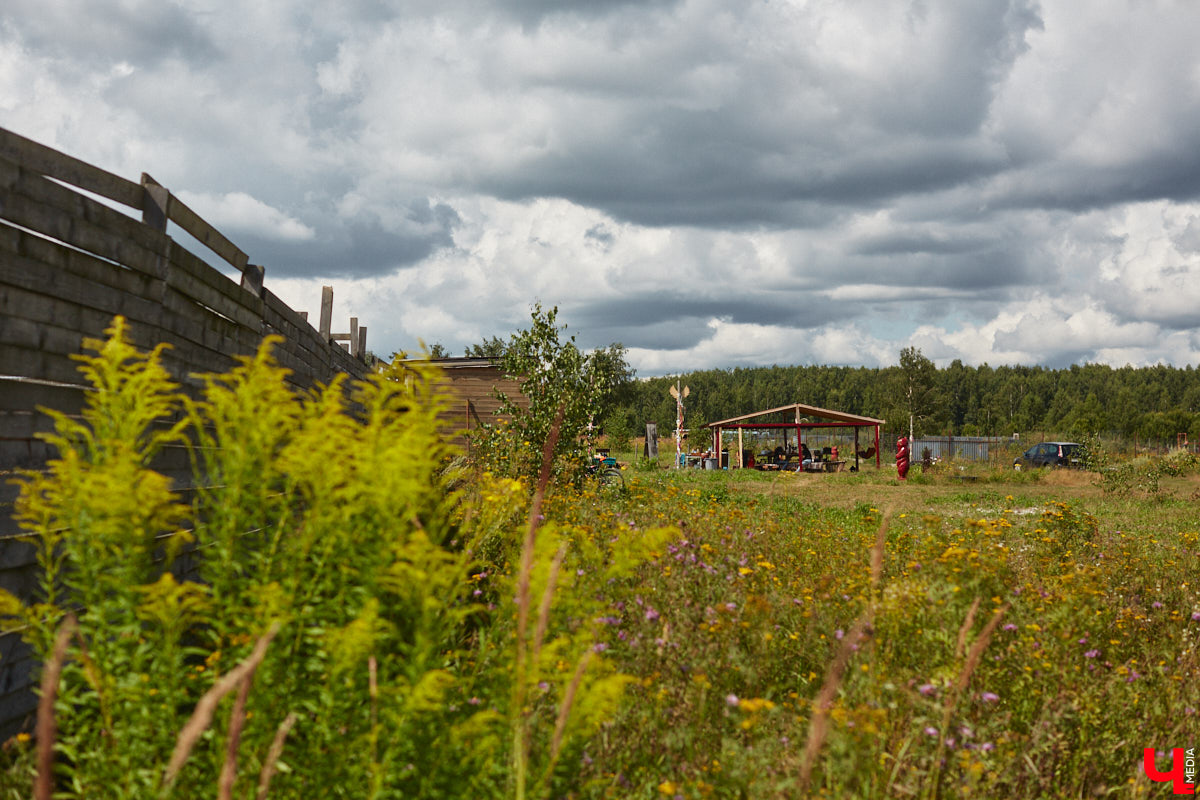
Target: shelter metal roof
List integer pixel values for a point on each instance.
(806, 410)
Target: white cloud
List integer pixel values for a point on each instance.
(240, 213)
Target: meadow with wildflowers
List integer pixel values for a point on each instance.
(425, 627)
(1020, 639)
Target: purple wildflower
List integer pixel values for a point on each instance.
(927, 689)
(989, 697)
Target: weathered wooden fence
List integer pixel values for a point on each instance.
(69, 263)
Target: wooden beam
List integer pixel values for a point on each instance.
(812, 411)
(206, 234)
(68, 169)
(354, 337)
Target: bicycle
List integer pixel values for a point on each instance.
(607, 473)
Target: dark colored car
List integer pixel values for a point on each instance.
(1051, 454)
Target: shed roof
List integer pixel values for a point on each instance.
(468, 362)
(807, 410)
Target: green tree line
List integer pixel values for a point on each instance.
(1155, 402)
(913, 396)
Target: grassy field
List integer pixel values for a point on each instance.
(403, 623)
(1023, 635)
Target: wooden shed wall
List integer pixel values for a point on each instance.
(475, 404)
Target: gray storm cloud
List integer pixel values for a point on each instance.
(817, 180)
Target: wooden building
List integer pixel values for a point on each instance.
(473, 383)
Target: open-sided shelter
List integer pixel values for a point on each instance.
(803, 417)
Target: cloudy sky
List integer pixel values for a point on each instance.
(712, 183)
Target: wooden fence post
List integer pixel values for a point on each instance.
(155, 200)
(326, 312)
(252, 279)
(354, 337)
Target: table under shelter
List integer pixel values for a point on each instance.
(804, 422)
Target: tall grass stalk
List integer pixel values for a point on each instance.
(860, 632)
(974, 655)
(521, 742)
(203, 714)
(274, 754)
(237, 721)
(43, 782)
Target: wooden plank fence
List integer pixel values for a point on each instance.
(69, 263)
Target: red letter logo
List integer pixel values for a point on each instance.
(1177, 775)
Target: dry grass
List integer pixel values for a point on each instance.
(1069, 479)
(883, 489)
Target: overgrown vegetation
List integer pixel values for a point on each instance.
(565, 389)
(426, 630)
(401, 616)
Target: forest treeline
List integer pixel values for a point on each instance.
(1156, 402)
